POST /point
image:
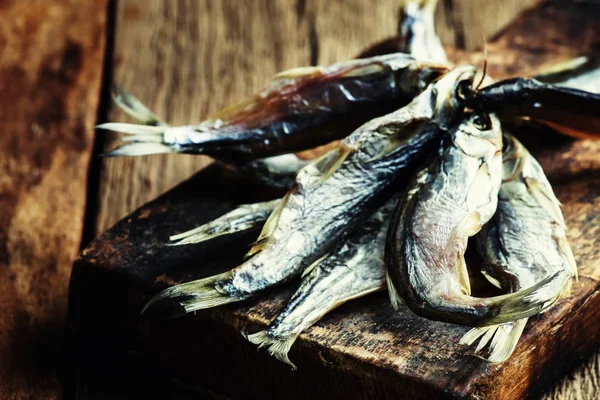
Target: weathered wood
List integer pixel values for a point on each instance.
(51, 56)
(364, 349)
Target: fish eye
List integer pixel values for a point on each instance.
(463, 90)
(482, 121)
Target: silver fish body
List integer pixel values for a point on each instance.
(333, 194)
(447, 203)
(353, 269)
(524, 243)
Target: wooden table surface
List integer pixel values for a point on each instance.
(185, 59)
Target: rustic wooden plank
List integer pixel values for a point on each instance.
(359, 351)
(51, 56)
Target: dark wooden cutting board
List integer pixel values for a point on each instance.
(365, 349)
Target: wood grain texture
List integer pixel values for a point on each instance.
(188, 59)
(464, 24)
(51, 55)
(346, 344)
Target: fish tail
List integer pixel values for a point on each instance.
(277, 347)
(504, 339)
(140, 140)
(509, 307)
(188, 297)
(242, 218)
(427, 5)
(134, 108)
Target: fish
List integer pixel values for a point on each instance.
(331, 195)
(571, 112)
(353, 269)
(416, 31)
(277, 171)
(448, 201)
(581, 73)
(301, 109)
(242, 218)
(524, 243)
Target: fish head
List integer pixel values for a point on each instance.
(478, 134)
(450, 93)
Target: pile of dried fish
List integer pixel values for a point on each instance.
(424, 163)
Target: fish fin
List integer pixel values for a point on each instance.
(565, 249)
(139, 149)
(228, 223)
(545, 197)
(472, 335)
(144, 140)
(397, 135)
(395, 298)
(268, 228)
(363, 70)
(133, 107)
(277, 347)
(463, 274)
(329, 163)
(485, 333)
(312, 266)
(187, 297)
(132, 129)
(469, 226)
(475, 196)
(504, 339)
(300, 72)
(491, 279)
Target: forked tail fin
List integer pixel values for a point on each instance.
(134, 108)
(187, 297)
(504, 339)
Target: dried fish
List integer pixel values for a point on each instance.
(332, 195)
(276, 171)
(524, 243)
(581, 73)
(569, 111)
(416, 31)
(301, 109)
(242, 218)
(353, 269)
(448, 202)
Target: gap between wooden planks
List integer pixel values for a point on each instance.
(51, 56)
(187, 59)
